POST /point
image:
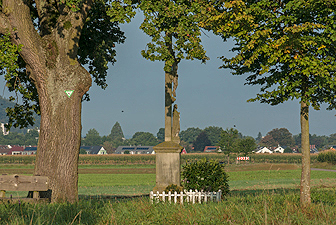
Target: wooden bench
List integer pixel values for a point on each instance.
(23, 183)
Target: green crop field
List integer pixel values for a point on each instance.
(261, 193)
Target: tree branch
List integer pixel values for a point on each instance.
(4, 24)
(19, 18)
(69, 27)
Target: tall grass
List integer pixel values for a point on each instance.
(282, 207)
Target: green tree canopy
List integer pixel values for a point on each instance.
(92, 138)
(259, 137)
(287, 47)
(229, 141)
(43, 47)
(214, 134)
(144, 139)
(201, 141)
(282, 137)
(116, 132)
(161, 135)
(189, 135)
(246, 145)
(268, 141)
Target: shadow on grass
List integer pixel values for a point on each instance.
(255, 192)
(112, 197)
(318, 195)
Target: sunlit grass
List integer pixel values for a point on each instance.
(103, 180)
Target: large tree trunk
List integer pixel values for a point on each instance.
(59, 141)
(51, 60)
(305, 174)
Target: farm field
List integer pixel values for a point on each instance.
(128, 180)
(261, 193)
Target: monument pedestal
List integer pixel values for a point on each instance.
(168, 165)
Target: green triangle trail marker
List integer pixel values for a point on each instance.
(69, 93)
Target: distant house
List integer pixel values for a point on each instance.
(16, 150)
(211, 148)
(29, 151)
(95, 150)
(135, 150)
(264, 150)
(313, 149)
(279, 149)
(184, 151)
(5, 150)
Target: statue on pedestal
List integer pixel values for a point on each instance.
(176, 125)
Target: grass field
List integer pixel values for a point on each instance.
(140, 179)
(261, 193)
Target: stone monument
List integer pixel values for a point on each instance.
(168, 153)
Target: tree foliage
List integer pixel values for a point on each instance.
(189, 135)
(116, 132)
(174, 30)
(214, 134)
(287, 47)
(161, 135)
(92, 138)
(96, 47)
(229, 141)
(144, 139)
(268, 141)
(246, 145)
(282, 136)
(201, 141)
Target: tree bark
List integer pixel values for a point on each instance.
(60, 136)
(52, 65)
(305, 173)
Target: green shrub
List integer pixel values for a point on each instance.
(327, 156)
(173, 187)
(207, 175)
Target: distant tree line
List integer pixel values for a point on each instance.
(15, 138)
(195, 139)
(285, 138)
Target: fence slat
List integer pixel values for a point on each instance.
(151, 195)
(191, 196)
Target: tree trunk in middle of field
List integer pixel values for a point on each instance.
(59, 141)
(305, 174)
(52, 65)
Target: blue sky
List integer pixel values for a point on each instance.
(206, 95)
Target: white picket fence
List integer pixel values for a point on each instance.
(186, 196)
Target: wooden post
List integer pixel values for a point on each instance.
(36, 195)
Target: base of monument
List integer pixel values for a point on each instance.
(168, 165)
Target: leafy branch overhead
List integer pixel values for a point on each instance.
(174, 29)
(281, 44)
(94, 46)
